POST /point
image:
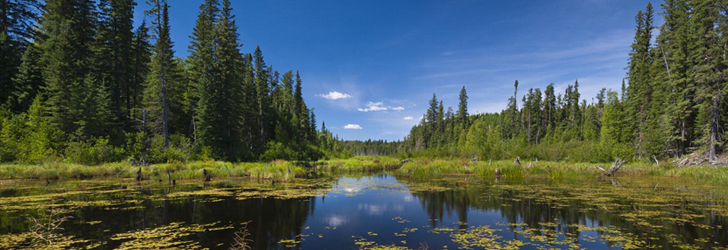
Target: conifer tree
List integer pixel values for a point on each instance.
(16, 32)
(68, 31)
(142, 52)
(112, 63)
(158, 80)
(262, 94)
(230, 61)
(207, 101)
(462, 113)
(28, 82)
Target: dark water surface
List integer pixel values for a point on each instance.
(374, 211)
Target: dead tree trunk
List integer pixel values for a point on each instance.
(612, 170)
(714, 137)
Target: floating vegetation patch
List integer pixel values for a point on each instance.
(175, 235)
(483, 237)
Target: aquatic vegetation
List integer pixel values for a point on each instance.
(168, 236)
(540, 213)
(483, 237)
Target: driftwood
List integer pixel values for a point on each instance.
(684, 162)
(612, 170)
(518, 160)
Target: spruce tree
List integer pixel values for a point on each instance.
(68, 30)
(16, 32)
(142, 52)
(230, 61)
(262, 94)
(705, 56)
(462, 113)
(207, 101)
(28, 82)
(158, 80)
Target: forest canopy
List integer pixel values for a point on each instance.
(81, 83)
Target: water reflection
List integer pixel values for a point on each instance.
(364, 211)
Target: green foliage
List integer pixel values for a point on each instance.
(93, 153)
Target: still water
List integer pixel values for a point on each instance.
(366, 212)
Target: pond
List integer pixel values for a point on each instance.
(378, 211)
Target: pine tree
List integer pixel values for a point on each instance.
(68, 31)
(262, 95)
(639, 76)
(207, 101)
(156, 98)
(113, 62)
(142, 52)
(706, 57)
(462, 113)
(672, 44)
(230, 61)
(16, 32)
(28, 82)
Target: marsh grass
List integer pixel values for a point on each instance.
(359, 164)
(417, 168)
(428, 168)
(279, 170)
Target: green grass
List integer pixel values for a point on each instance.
(359, 164)
(279, 170)
(429, 168)
(415, 168)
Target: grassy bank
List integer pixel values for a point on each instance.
(415, 168)
(359, 164)
(278, 170)
(427, 168)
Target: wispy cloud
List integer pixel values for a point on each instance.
(352, 126)
(335, 95)
(408, 118)
(379, 106)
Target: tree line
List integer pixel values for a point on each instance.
(81, 83)
(672, 103)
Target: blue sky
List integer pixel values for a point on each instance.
(383, 59)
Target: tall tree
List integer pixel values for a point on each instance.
(113, 61)
(230, 62)
(462, 113)
(17, 18)
(162, 62)
(28, 82)
(142, 52)
(262, 94)
(207, 102)
(707, 71)
(68, 31)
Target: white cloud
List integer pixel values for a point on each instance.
(379, 106)
(409, 118)
(352, 126)
(335, 95)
